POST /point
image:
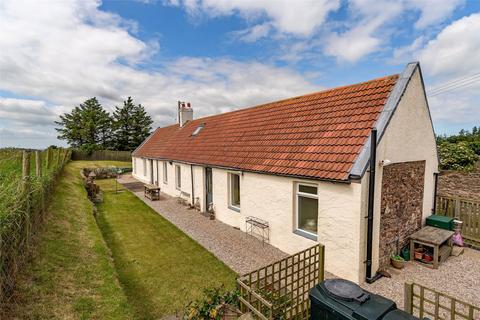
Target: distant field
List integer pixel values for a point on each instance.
(10, 175)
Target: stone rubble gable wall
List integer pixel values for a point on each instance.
(401, 206)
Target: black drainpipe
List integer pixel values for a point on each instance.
(193, 193)
(434, 209)
(371, 199)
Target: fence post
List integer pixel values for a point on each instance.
(457, 208)
(47, 159)
(321, 263)
(26, 193)
(408, 298)
(38, 164)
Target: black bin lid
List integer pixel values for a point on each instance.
(345, 290)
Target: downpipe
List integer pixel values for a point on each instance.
(371, 199)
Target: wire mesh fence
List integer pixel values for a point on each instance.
(26, 182)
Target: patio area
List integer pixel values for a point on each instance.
(457, 276)
(241, 252)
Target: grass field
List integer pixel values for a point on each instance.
(129, 263)
(71, 275)
(160, 268)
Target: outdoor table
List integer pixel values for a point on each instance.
(436, 238)
(152, 192)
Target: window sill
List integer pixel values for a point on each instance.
(305, 234)
(237, 209)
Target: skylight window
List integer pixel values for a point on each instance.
(198, 129)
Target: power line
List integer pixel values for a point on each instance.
(454, 85)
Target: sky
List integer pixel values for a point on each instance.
(224, 55)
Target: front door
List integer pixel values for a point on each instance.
(208, 188)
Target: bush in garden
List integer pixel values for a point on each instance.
(213, 305)
(456, 156)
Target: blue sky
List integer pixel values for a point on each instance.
(223, 55)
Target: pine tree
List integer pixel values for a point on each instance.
(132, 125)
(87, 127)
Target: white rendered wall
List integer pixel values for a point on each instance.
(408, 137)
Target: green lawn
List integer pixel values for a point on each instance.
(160, 268)
(71, 275)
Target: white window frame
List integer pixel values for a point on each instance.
(178, 177)
(298, 193)
(165, 172)
(230, 191)
(144, 167)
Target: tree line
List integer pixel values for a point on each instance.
(459, 151)
(90, 127)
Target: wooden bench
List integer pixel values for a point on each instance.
(152, 192)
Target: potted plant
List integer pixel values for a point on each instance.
(397, 261)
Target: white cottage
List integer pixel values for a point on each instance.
(303, 164)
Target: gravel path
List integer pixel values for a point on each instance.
(240, 252)
(458, 277)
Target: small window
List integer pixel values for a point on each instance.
(307, 209)
(198, 129)
(178, 177)
(234, 190)
(144, 167)
(165, 172)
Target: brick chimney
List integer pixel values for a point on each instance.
(185, 113)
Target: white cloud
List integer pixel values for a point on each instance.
(456, 49)
(453, 55)
(372, 23)
(300, 18)
(254, 33)
(433, 11)
(61, 55)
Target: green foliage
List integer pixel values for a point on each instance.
(89, 127)
(132, 125)
(212, 305)
(459, 151)
(279, 302)
(456, 156)
(396, 257)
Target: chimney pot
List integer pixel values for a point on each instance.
(185, 113)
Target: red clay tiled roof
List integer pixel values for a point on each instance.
(318, 135)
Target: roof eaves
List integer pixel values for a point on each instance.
(360, 165)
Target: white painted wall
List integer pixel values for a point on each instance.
(408, 137)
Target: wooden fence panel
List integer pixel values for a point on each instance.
(421, 301)
(467, 211)
(110, 155)
(281, 289)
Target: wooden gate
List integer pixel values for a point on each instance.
(280, 290)
(467, 211)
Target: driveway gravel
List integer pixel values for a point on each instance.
(241, 252)
(458, 277)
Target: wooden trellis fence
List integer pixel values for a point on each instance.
(422, 302)
(280, 290)
(467, 211)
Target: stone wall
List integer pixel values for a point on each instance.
(465, 185)
(401, 206)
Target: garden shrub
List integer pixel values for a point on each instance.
(456, 156)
